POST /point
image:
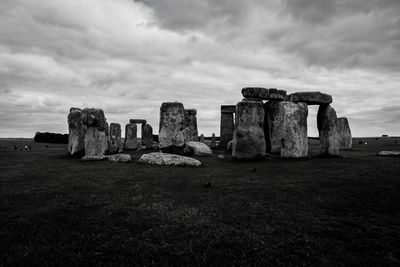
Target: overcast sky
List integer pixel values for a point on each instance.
(127, 57)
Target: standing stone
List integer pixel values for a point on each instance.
(248, 141)
(272, 126)
(344, 133)
(95, 121)
(115, 138)
(250, 111)
(327, 128)
(171, 132)
(248, 137)
(105, 138)
(213, 141)
(190, 123)
(227, 125)
(201, 138)
(147, 135)
(131, 141)
(77, 132)
(294, 140)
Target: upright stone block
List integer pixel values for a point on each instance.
(327, 128)
(248, 137)
(213, 141)
(190, 123)
(250, 111)
(147, 135)
(77, 132)
(294, 140)
(201, 138)
(227, 125)
(131, 141)
(95, 138)
(248, 141)
(171, 132)
(115, 145)
(344, 133)
(273, 126)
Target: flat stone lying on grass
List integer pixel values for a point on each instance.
(389, 153)
(310, 98)
(124, 158)
(197, 149)
(263, 93)
(165, 159)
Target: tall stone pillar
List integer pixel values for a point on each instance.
(131, 141)
(344, 133)
(147, 135)
(272, 126)
(327, 128)
(77, 131)
(190, 122)
(227, 125)
(171, 132)
(96, 124)
(248, 137)
(115, 138)
(294, 139)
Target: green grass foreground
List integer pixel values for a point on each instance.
(58, 211)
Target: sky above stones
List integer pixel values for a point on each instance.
(128, 57)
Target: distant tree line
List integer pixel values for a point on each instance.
(47, 137)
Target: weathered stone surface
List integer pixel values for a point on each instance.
(228, 109)
(96, 138)
(94, 117)
(115, 144)
(250, 111)
(77, 132)
(201, 138)
(131, 141)
(213, 141)
(344, 133)
(263, 93)
(227, 127)
(229, 145)
(94, 142)
(157, 158)
(310, 98)
(294, 140)
(273, 126)
(147, 135)
(327, 128)
(197, 149)
(248, 141)
(124, 158)
(190, 123)
(113, 158)
(389, 153)
(138, 121)
(171, 131)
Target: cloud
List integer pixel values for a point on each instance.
(128, 57)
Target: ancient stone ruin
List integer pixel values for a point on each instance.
(227, 125)
(131, 141)
(190, 123)
(344, 133)
(171, 131)
(131, 138)
(77, 132)
(96, 134)
(115, 143)
(282, 123)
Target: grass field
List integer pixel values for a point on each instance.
(56, 210)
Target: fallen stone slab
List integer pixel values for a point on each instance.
(310, 98)
(198, 149)
(263, 93)
(165, 159)
(124, 158)
(137, 121)
(389, 154)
